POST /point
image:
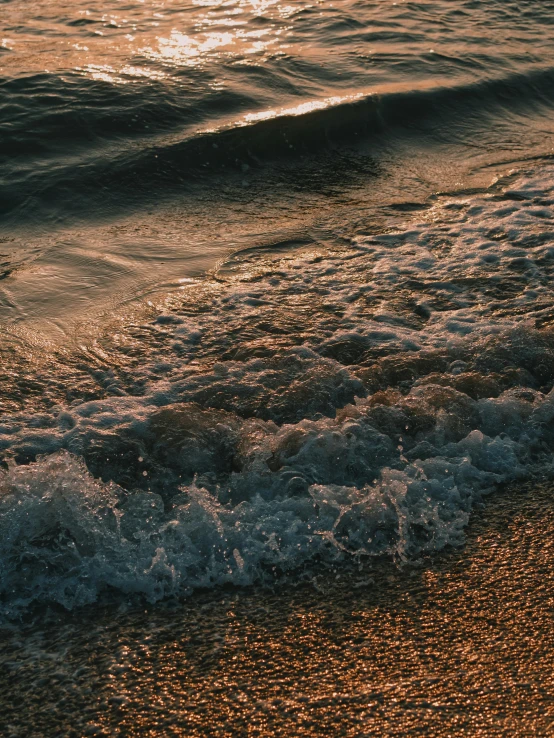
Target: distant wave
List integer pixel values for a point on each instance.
(147, 135)
(49, 113)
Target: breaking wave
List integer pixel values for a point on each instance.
(138, 144)
(303, 405)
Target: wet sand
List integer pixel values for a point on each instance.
(461, 645)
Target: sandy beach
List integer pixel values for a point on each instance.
(460, 645)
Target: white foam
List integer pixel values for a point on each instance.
(343, 447)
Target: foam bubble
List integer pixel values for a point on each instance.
(320, 406)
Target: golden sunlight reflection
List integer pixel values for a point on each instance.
(302, 109)
(149, 33)
(106, 73)
(233, 40)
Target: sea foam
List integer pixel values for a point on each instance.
(318, 406)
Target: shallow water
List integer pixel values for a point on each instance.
(459, 645)
(276, 286)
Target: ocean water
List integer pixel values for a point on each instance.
(275, 286)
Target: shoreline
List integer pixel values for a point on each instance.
(462, 643)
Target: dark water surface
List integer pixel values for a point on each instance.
(142, 141)
(275, 285)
